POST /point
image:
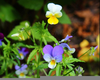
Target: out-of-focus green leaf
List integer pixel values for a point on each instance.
(31, 55)
(21, 30)
(58, 70)
(31, 4)
(43, 66)
(39, 32)
(64, 19)
(7, 12)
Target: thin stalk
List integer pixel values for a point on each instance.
(45, 72)
(83, 54)
(47, 25)
(30, 37)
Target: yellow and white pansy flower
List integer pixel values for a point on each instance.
(53, 13)
(21, 74)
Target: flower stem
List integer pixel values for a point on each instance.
(45, 72)
(83, 54)
(30, 37)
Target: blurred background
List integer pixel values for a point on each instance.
(83, 25)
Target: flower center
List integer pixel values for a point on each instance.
(21, 74)
(53, 62)
(21, 54)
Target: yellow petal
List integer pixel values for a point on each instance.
(53, 20)
(84, 43)
(58, 15)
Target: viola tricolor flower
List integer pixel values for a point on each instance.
(23, 52)
(53, 13)
(65, 45)
(65, 39)
(93, 49)
(21, 71)
(52, 55)
(1, 38)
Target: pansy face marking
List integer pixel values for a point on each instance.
(52, 55)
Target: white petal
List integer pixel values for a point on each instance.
(58, 14)
(48, 14)
(17, 34)
(54, 7)
(50, 6)
(22, 76)
(51, 66)
(25, 71)
(47, 57)
(18, 72)
(72, 50)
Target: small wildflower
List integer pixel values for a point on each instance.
(52, 55)
(93, 49)
(23, 52)
(1, 38)
(79, 71)
(53, 13)
(65, 39)
(65, 45)
(21, 71)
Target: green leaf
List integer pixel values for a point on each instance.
(58, 70)
(15, 50)
(50, 72)
(19, 44)
(43, 66)
(64, 19)
(38, 32)
(31, 4)
(31, 55)
(20, 29)
(70, 59)
(7, 12)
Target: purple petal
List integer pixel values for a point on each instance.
(47, 57)
(95, 47)
(1, 36)
(63, 45)
(47, 49)
(58, 50)
(25, 53)
(67, 37)
(17, 67)
(0, 42)
(58, 58)
(23, 66)
(23, 49)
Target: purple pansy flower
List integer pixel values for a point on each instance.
(65, 39)
(21, 71)
(52, 55)
(1, 38)
(70, 50)
(23, 52)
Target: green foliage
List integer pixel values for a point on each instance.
(50, 72)
(31, 4)
(7, 12)
(43, 66)
(70, 59)
(20, 29)
(64, 19)
(31, 55)
(58, 70)
(38, 32)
